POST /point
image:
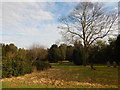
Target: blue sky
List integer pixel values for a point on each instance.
(27, 23)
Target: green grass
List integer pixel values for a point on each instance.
(70, 64)
(103, 75)
(63, 65)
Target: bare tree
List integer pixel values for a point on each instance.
(37, 52)
(87, 23)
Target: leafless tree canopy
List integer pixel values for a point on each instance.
(37, 51)
(89, 22)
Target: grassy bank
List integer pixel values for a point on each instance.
(66, 76)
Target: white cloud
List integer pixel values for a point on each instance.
(111, 4)
(21, 12)
(20, 21)
(24, 24)
(46, 36)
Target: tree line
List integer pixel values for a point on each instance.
(85, 27)
(99, 53)
(19, 61)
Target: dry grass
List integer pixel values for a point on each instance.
(63, 77)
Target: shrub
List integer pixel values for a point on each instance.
(7, 67)
(15, 67)
(42, 65)
(17, 62)
(54, 54)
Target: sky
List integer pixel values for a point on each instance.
(28, 23)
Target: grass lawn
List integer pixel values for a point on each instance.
(66, 76)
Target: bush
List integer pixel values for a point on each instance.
(17, 62)
(15, 67)
(7, 69)
(54, 54)
(42, 65)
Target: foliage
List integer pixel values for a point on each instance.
(78, 54)
(53, 53)
(98, 53)
(101, 52)
(15, 67)
(117, 48)
(36, 52)
(41, 65)
(62, 51)
(17, 62)
(69, 53)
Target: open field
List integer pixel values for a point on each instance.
(66, 76)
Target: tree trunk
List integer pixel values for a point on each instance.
(85, 61)
(91, 65)
(86, 55)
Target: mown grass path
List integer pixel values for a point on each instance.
(63, 76)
